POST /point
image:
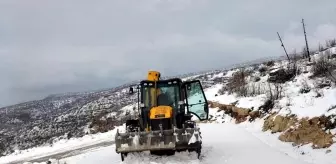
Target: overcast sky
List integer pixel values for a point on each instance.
(63, 46)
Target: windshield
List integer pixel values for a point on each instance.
(167, 94)
(172, 93)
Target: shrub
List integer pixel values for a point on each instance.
(222, 90)
(276, 92)
(305, 87)
(254, 89)
(267, 106)
(323, 67)
(331, 43)
(294, 56)
(269, 63)
(262, 69)
(321, 48)
(237, 83)
(304, 53)
(256, 79)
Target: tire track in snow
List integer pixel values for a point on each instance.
(222, 143)
(238, 145)
(273, 146)
(63, 154)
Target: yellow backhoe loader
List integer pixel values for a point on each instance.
(164, 123)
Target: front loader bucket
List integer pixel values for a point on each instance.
(174, 139)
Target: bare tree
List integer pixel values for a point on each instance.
(238, 84)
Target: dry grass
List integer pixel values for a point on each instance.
(323, 67)
(331, 43)
(237, 84)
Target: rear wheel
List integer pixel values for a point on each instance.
(198, 151)
(123, 155)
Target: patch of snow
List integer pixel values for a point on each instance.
(304, 153)
(230, 73)
(251, 102)
(61, 146)
(219, 75)
(292, 102)
(222, 143)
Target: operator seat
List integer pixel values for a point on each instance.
(163, 99)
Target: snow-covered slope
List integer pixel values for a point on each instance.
(265, 91)
(65, 145)
(56, 117)
(88, 141)
(314, 103)
(222, 143)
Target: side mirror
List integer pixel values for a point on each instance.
(131, 90)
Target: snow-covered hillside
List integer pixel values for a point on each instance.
(224, 141)
(56, 117)
(285, 109)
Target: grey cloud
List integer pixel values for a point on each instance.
(59, 46)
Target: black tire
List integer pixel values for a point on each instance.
(196, 147)
(162, 152)
(170, 152)
(198, 151)
(132, 125)
(123, 156)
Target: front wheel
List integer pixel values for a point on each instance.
(132, 125)
(198, 151)
(162, 152)
(197, 147)
(123, 155)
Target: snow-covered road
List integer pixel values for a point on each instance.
(222, 143)
(63, 154)
(233, 144)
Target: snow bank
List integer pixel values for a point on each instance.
(61, 146)
(293, 102)
(302, 153)
(222, 143)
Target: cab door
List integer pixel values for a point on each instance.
(197, 103)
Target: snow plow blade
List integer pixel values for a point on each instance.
(175, 139)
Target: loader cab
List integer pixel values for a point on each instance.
(159, 94)
(131, 91)
(184, 98)
(164, 107)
